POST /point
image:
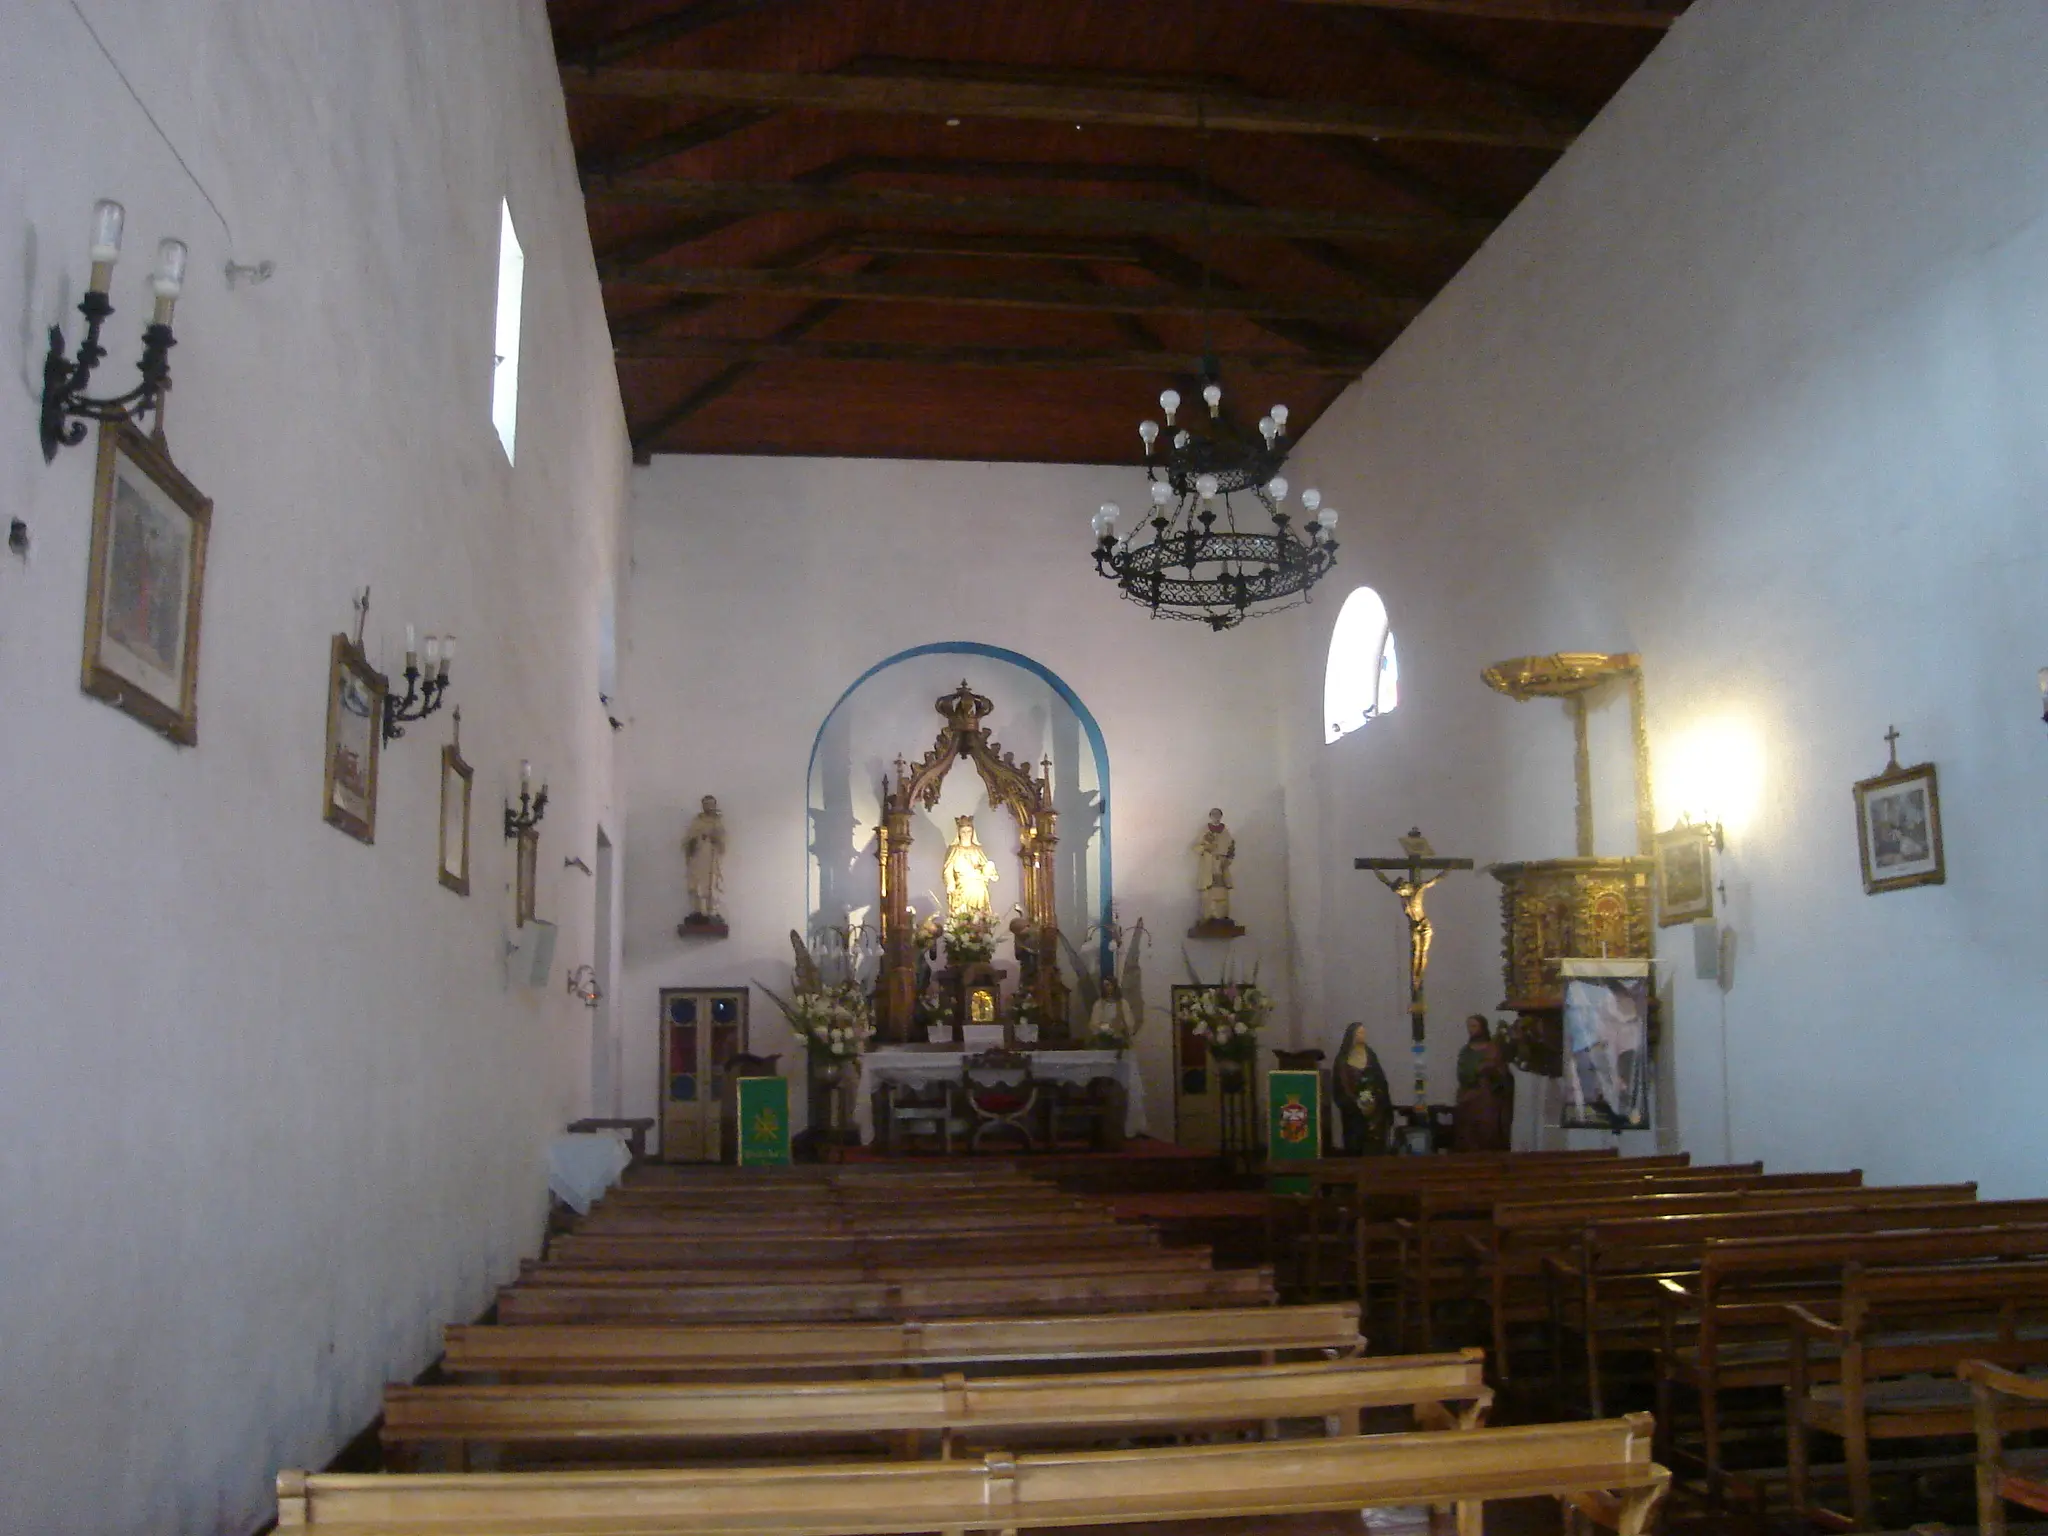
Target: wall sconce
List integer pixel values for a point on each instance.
(423, 690)
(2041, 677)
(1715, 834)
(583, 986)
(532, 807)
(65, 379)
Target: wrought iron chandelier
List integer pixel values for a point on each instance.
(1200, 555)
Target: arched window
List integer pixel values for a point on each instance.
(1363, 678)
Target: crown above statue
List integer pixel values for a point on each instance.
(963, 708)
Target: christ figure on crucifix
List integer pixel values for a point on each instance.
(1420, 930)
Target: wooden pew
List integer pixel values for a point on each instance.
(1033, 1197)
(1723, 1326)
(1867, 1377)
(2004, 1400)
(1601, 1279)
(700, 1352)
(935, 1265)
(1107, 1290)
(843, 1248)
(1603, 1468)
(885, 1226)
(864, 1175)
(657, 1422)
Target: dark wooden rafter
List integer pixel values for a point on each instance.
(1131, 359)
(1449, 62)
(670, 28)
(595, 170)
(1101, 215)
(644, 435)
(917, 95)
(1362, 309)
(1655, 15)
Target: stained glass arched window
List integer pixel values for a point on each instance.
(1362, 679)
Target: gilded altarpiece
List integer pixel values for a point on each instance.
(1011, 786)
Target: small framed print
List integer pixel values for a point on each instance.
(142, 595)
(1898, 829)
(1685, 875)
(528, 865)
(457, 779)
(355, 735)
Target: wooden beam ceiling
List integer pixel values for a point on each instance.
(914, 228)
(922, 96)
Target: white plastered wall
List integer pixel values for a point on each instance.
(1752, 384)
(762, 588)
(270, 1117)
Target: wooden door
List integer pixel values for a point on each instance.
(702, 1029)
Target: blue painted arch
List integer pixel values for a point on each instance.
(1090, 731)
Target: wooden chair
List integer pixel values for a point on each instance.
(1602, 1469)
(1087, 1114)
(906, 1112)
(997, 1096)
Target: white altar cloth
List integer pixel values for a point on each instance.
(919, 1067)
(582, 1166)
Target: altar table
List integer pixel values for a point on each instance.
(922, 1067)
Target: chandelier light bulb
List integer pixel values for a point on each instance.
(1213, 393)
(1162, 493)
(1268, 429)
(1277, 488)
(1149, 431)
(1311, 499)
(1328, 518)
(1180, 439)
(1169, 402)
(1279, 415)
(1105, 519)
(1207, 486)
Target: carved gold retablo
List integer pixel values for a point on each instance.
(1559, 675)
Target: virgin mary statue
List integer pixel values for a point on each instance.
(968, 872)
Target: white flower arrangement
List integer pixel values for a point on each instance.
(1230, 1017)
(836, 1023)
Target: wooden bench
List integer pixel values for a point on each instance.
(1604, 1283)
(2004, 1400)
(933, 1265)
(844, 1248)
(1108, 1290)
(1723, 1326)
(1868, 1377)
(1602, 1468)
(697, 1352)
(1445, 1392)
(885, 1226)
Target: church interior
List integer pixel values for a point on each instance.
(1045, 765)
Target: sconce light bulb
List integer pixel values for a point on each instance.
(411, 641)
(433, 651)
(107, 217)
(1213, 394)
(525, 774)
(447, 652)
(1277, 488)
(1169, 402)
(2041, 677)
(168, 280)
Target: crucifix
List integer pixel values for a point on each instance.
(1403, 876)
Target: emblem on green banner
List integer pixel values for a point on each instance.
(1294, 1122)
(764, 1121)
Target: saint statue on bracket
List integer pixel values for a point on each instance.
(704, 872)
(968, 872)
(1215, 852)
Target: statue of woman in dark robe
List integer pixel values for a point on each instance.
(1484, 1119)
(1365, 1110)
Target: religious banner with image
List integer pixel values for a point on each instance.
(1294, 1123)
(1606, 1078)
(764, 1122)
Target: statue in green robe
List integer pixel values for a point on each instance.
(1484, 1118)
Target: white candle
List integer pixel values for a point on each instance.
(525, 775)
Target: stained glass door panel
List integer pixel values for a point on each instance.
(702, 1029)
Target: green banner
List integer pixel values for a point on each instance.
(764, 1122)
(1294, 1123)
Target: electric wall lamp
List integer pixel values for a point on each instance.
(67, 408)
(424, 691)
(532, 807)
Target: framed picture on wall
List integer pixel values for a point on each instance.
(142, 594)
(355, 735)
(457, 779)
(1898, 829)
(1685, 875)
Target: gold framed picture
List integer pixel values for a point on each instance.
(355, 736)
(457, 780)
(528, 876)
(142, 596)
(1685, 875)
(1898, 829)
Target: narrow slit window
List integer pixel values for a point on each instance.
(1362, 679)
(505, 372)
